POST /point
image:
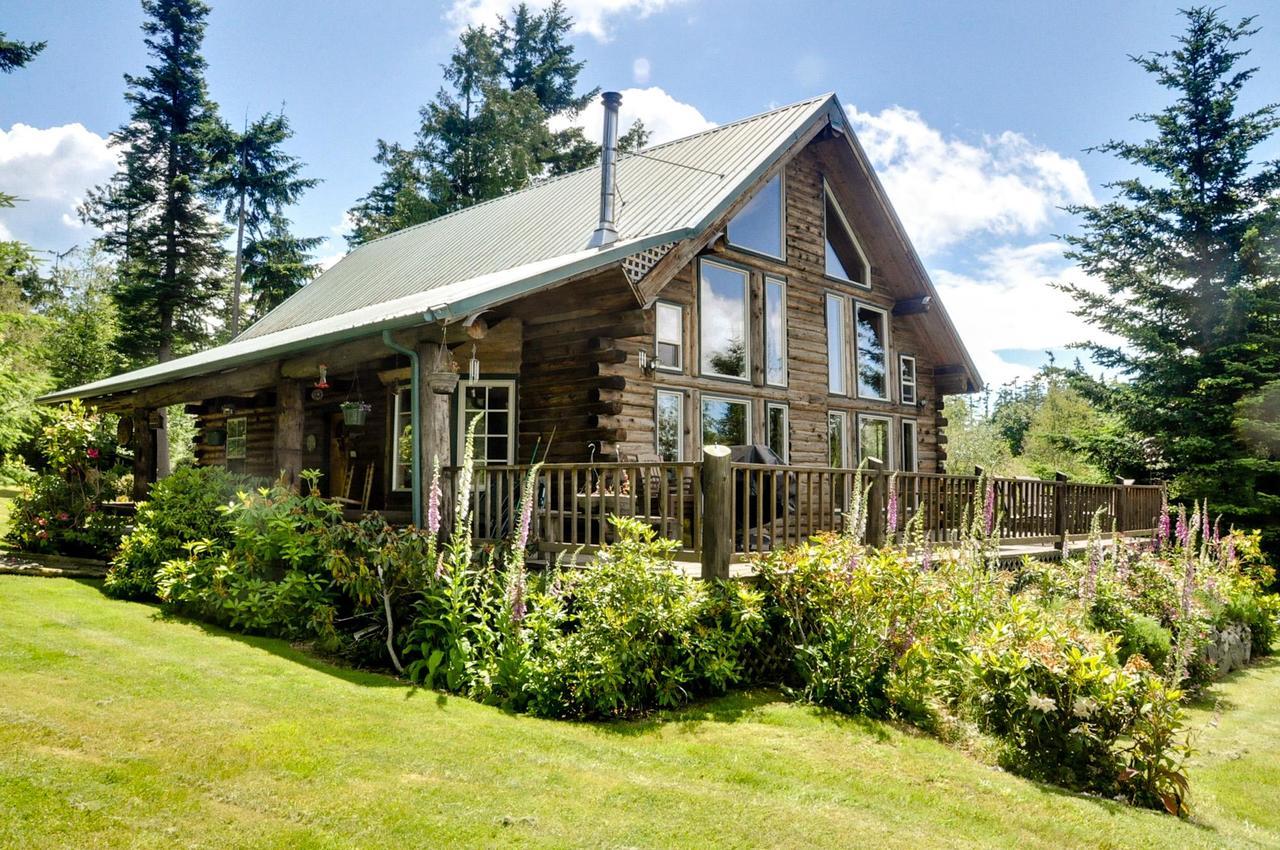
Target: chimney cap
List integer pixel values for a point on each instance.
(612, 98)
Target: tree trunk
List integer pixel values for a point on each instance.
(235, 290)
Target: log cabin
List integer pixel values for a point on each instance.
(750, 285)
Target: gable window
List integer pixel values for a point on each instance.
(669, 418)
(669, 336)
(835, 344)
(494, 402)
(873, 439)
(775, 332)
(725, 421)
(907, 450)
(907, 379)
(759, 226)
(777, 430)
(845, 259)
(402, 442)
(723, 321)
(871, 323)
(237, 438)
(838, 451)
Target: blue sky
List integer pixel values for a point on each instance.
(976, 114)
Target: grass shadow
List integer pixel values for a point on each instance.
(1210, 698)
(730, 708)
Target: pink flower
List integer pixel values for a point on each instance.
(893, 508)
(1162, 528)
(989, 508)
(433, 503)
(92, 452)
(41, 521)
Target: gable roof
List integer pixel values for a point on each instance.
(501, 249)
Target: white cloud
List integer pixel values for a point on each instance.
(50, 170)
(664, 116)
(640, 71)
(947, 189)
(589, 16)
(1010, 304)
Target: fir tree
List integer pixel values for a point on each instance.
(167, 245)
(1188, 259)
(16, 54)
(277, 264)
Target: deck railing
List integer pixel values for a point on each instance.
(740, 508)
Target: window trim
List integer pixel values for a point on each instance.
(244, 449)
(706, 397)
(843, 346)
(786, 426)
(914, 426)
(513, 412)
(853, 237)
(890, 460)
(658, 306)
(659, 392)
(888, 349)
(746, 320)
(843, 416)
(903, 384)
(782, 285)
(398, 486)
(782, 220)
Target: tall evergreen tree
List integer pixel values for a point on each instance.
(277, 264)
(154, 222)
(16, 54)
(253, 177)
(1189, 257)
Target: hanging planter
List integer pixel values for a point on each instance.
(355, 412)
(442, 382)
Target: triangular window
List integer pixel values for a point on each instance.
(845, 258)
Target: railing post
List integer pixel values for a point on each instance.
(717, 511)
(1120, 504)
(876, 503)
(1061, 526)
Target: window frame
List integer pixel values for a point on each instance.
(843, 416)
(512, 411)
(770, 406)
(903, 383)
(658, 307)
(914, 442)
(782, 222)
(679, 395)
(243, 437)
(781, 282)
(889, 460)
(857, 357)
(843, 346)
(398, 486)
(746, 320)
(828, 195)
(706, 397)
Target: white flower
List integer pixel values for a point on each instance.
(1039, 703)
(1083, 707)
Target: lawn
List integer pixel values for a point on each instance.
(121, 728)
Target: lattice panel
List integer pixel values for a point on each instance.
(638, 265)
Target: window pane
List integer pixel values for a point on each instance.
(759, 226)
(909, 446)
(835, 344)
(907, 370)
(844, 258)
(669, 426)
(775, 333)
(668, 355)
(670, 335)
(724, 321)
(724, 423)
(873, 440)
(776, 427)
(871, 371)
(835, 440)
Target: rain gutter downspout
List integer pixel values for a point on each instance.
(415, 416)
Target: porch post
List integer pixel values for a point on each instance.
(162, 444)
(434, 413)
(717, 511)
(144, 443)
(288, 435)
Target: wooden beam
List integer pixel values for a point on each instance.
(434, 413)
(143, 443)
(288, 432)
(913, 306)
(232, 382)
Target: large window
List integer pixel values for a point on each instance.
(845, 259)
(907, 450)
(759, 226)
(724, 321)
(907, 379)
(494, 401)
(775, 332)
(669, 418)
(777, 431)
(873, 439)
(835, 344)
(237, 438)
(725, 421)
(872, 344)
(837, 428)
(669, 341)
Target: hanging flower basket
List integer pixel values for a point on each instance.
(442, 382)
(355, 412)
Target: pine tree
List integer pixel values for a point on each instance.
(167, 244)
(16, 54)
(1189, 262)
(277, 264)
(255, 179)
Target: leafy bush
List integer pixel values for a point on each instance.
(184, 507)
(1143, 635)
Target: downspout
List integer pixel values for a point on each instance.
(415, 417)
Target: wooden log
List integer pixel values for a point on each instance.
(434, 412)
(143, 442)
(287, 444)
(717, 512)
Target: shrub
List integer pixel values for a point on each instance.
(184, 507)
(1142, 635)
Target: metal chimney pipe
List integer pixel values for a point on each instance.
(606, 233)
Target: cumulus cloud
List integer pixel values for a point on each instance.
(664, 116)
(589, 16)
(50, 169)
(947, 189)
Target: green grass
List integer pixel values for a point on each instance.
(121, 728)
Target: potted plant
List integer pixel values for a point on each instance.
(443, 379)
(355, 412)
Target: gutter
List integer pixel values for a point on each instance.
(415, 418)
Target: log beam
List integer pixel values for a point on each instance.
(288, 433)
(143, 442)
